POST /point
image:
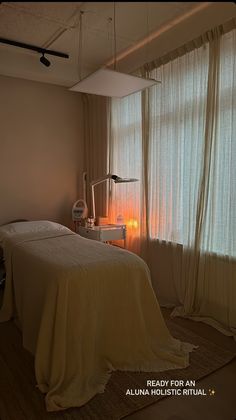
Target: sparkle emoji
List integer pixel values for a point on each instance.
(211, 391)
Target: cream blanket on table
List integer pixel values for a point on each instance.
(85, 309)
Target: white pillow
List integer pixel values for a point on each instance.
(28, 227)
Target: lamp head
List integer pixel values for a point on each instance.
(45, 61)
(118, 180)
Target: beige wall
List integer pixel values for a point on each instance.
(41, 150)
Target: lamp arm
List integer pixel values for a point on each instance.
(93, 202)
(93, 184)
(100, 180)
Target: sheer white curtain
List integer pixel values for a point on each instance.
(179, 140)
(216, 278)
(219, 234)
(126, 161)
(174, 146)
(177, 122)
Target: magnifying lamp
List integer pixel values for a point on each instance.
(115, 178)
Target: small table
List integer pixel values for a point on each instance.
(104, 233)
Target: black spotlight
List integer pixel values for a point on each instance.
(45, 61)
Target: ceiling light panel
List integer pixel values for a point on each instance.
(112, 83)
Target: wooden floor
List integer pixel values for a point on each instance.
(222, 406)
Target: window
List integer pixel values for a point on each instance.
(177, 115)
(177, 122)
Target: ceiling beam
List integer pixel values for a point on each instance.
(155, 34)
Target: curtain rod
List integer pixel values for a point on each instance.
(33, 48)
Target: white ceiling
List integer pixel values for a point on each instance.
(55, 25)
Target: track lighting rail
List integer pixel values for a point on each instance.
(33, 48)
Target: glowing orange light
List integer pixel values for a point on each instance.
(132, 223)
